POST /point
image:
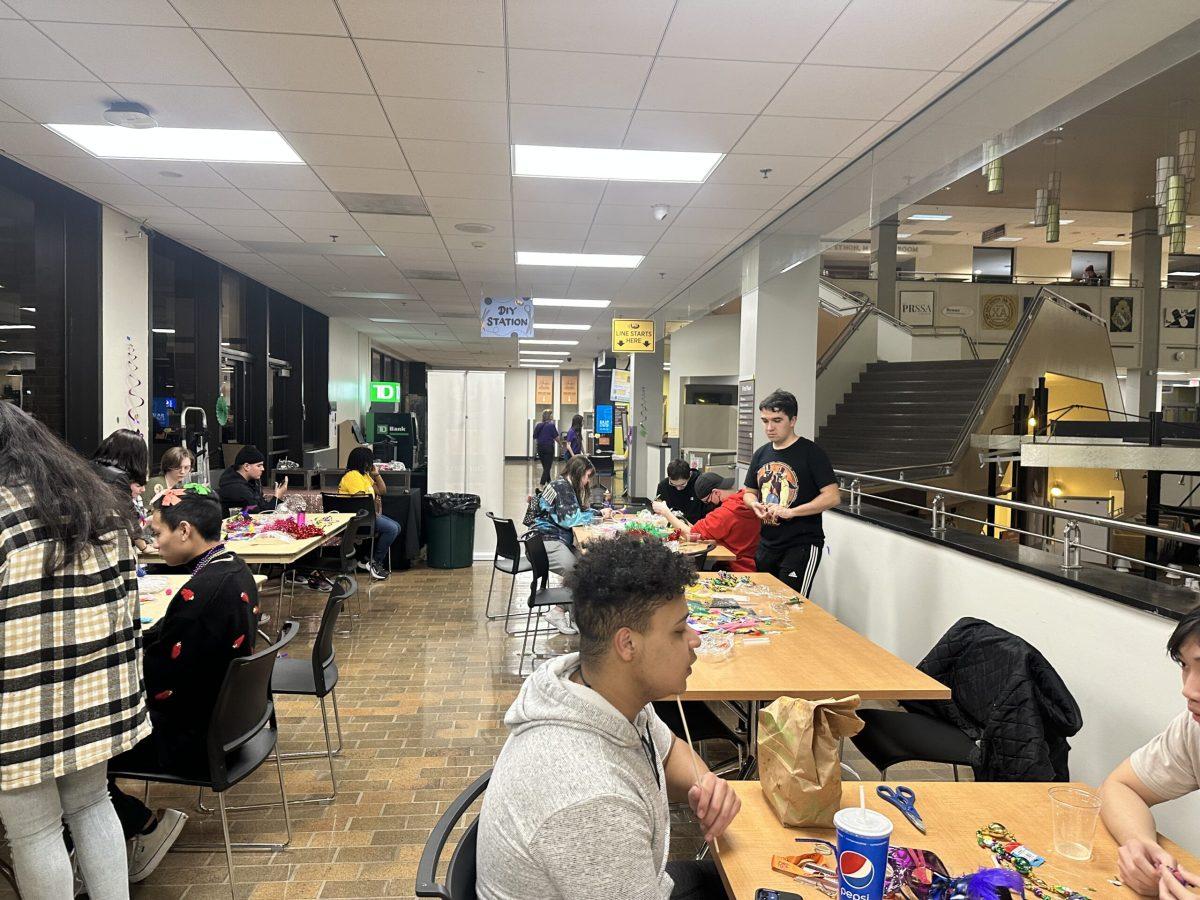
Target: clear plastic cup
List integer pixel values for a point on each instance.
(1075, 812)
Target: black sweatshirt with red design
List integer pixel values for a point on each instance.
(209, 622)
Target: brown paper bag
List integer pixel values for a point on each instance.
(798, 762)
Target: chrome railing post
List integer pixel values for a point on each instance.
(855, 495)
(939, 514)
(1071, 540)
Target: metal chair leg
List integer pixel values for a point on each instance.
(337, 720)
(955, 767)
(487, 607)
(524, 640)
(228, 847)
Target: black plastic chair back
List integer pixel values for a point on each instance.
(535, 551)
(460, 873)
(508, 545)
(323, 654)
(352, 503)
(699, 557)
(244, 705)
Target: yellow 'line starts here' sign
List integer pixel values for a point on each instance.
(632, 335)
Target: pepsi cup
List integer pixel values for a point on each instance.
(863, 836)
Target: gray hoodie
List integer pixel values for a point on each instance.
(574, 809)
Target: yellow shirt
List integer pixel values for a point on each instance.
(356, 483)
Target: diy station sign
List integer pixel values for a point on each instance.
(633, 335)
(506, 317)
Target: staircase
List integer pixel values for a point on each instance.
(903, 413)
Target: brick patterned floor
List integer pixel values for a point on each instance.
(425, 682)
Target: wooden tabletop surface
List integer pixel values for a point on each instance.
(818, 657)
(154, 606)
(952, 812)
(269, 550)
(585, 534)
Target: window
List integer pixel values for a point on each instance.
(233, 311)
(19, 301)
(1100, 261)
(992, 264)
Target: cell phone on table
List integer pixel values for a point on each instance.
(772, 894)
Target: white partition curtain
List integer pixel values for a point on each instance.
(466, 442)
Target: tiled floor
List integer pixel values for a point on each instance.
(424, 685)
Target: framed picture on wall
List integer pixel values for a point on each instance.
(916, 307)
(1179, 317)
(998, 312)
(1120, 315)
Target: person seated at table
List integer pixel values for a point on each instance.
(210, 621)
(1166, 768)
(561, 506)
(363, 478)
(120, 461)
(678, 490)
(241, 486)
(731, 523)
(600, 826)
(175, 467)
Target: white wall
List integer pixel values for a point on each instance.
(349, 373)
(518, 409)
(708, 346)
(124, 324)
(904, 593)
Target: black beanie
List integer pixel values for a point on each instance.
(248, 455)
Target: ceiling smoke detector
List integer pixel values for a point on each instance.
(474, 228)
(129, 115)
(661, 210)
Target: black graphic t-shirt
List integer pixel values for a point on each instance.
(792, 476)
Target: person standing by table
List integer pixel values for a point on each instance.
(1166, 768)
(729, 522)
(797, 478)
(241, 484)
(72, 696)
(573, 440)
(545, 439)
(363, 478)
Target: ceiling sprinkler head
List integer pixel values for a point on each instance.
(765, 173)
(129, 115)
(661, 210)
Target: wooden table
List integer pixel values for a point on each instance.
(952, 812)
(266, 550)
(154, 606)
(585, 534)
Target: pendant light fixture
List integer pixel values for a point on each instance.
(1164, 168)
(1040, 208)
(993, 167)
(1053, 205)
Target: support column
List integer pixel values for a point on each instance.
(779, 336)
(883, 264)
(1146, 266)
(646, 370)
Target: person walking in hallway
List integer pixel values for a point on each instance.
(797, 480)
(545, 439)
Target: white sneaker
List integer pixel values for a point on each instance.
(557, 616)
(149, 849)
(378, 572)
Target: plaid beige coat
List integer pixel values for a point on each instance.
(71, 691)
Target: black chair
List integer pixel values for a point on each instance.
(699, 557)
(541, 595)
(460, 873)
(242, 735)
(892, 736)
(704, 725)
(363, 528)
(508, 559)
(318, 677)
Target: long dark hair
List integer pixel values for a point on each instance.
(70, 501)
(578, 466)
(577, 423)
(360, 460)
(124, 450)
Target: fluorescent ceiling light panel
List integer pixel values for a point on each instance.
(573, 304)
(579, 260)
(563, 327)
(539, 365)
(1060, 222)
(1185, 274)
(547, 343)
(1111, 243)
(32, 309)
(371, 295)
(389, 321)
(613, 165)
(198, 144)
(540, 353)
(902, 236)
(163, 330)
(929, 217)
(17, 327)
(1010, 240)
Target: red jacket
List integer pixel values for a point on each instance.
(735, 525)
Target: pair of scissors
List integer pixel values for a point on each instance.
(903, 798)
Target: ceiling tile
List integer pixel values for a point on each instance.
(712, 132)
(709, 85)
(159, 215)
(252, 233)
(294, 16)
(649, 193)
(219, 218)
(576, 79)
(491, 212)
(399, 241)
(264, 175)
(117, 194)
(27, 53)
(684, 234)
(741, 196)
(210, 198)
(438, 71)
(448, 120)
(118, 12)
(405, 224)
(551, 231)
(550, 245)
(20, 138)
(647, 234)
(527, 211)
(1020, 19)
(557, 190)
(908, 34)
(457, 156)
(73, 169)
(367, 181)
(715, 217)
(611, 214)
(471, 187)
(436, 21)
(197, 106)
(774, 30)
(8, 114)
(150, 172)
(324, 113)
(292, 62)
(327, 221)
(58, 101)
(839, 92)
(615, 26)
(140, 53)
(569, 126)
(344, 150)
(746, 168)
(864, 141)
(800, 136)
(299, 201)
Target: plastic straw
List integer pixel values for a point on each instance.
(687, 733)
(862, 796)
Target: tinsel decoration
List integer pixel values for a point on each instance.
(133, 386)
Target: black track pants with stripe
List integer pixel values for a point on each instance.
(795, 566)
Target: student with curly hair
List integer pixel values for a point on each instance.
(599, 827)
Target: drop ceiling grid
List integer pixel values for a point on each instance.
(338, 71)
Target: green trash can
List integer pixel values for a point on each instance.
(450, 530)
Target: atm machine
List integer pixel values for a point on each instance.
(394, 436)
